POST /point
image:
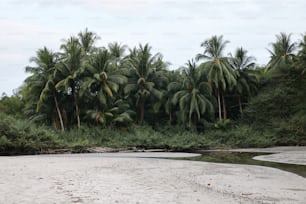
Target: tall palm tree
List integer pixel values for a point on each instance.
(68, 69)
(195, 95)
(282, 52)
(142, 65)
(87, 41)
(102, 79)
(301, 61)
(173, 84)
(117, 54)
(246, 80)
(43, 79)
(217, 69)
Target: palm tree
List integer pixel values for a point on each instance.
(217, 69)
(160, 78)
(195, 95)
(87, 40)
(43, 79)
(301, 60)
(101, 79)
(117, 112)
(173, 85)
(104, 78)
(68, 69)
(246, 80)
(117, 54)
(142, 65)
(282, 52)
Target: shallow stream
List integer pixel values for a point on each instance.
(246, 158)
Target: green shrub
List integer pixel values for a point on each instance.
(23, 137)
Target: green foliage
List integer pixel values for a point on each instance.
(23, 137)
(110, 91)
(144, 68)
(223, 124)
(169, 137)
(282, 53)
(194, 98)
(12, 105)
(218, 70)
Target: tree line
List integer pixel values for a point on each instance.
(118, 86)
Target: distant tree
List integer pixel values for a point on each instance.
(194, 98)
(301, 60)
(282, 52)
(42, 83)
(12, 105)
(246, 80)
(217, 69)
(67, 71)
(103, 81)
(87, 40)
(174, 84)
(142, 66)
(117, 51)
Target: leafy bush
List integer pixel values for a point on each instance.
(23, 137)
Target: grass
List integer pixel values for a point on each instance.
(174, 139)
(24, 137)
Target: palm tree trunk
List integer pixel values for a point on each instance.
(195, 120)
(141, 111)
(65, 117)
(54, 123)
(224, 107)
(58, 112)
(77, 111)
(219, 104)
(240, 106)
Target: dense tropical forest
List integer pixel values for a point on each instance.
(115, 96)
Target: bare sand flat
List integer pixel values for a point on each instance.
(110, 179)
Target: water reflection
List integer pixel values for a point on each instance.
(246, 158)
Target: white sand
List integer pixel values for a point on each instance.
(288, 157)
(96, 179)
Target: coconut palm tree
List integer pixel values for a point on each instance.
(246, 80)
(142, 65)
(43, 81)
(173, 85)
(194, 98)
(87, 40)
(118, 112)
(117, 51)
(282, 52)
(217, 69)
(50, 91)
(301, 60)
(68, 69)
(105, 79)
(102, 80)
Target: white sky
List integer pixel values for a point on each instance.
(175, 28)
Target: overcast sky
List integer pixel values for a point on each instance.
(175, 28)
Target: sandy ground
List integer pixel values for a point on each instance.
(290, 157)
(107, 178)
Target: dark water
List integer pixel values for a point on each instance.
(246, 158)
